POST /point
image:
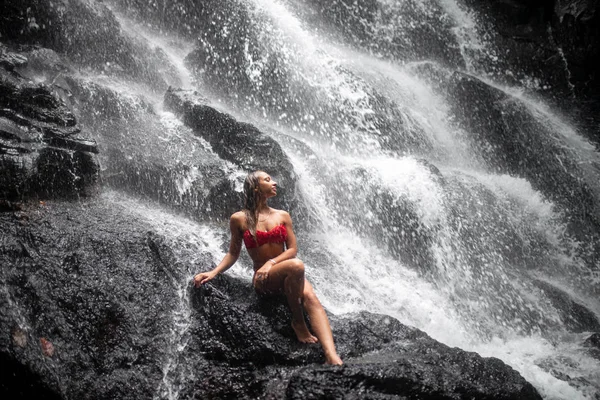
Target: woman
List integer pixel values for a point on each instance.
(271, 243)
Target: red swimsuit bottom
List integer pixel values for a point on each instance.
(276, 235)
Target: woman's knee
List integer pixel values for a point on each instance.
(296, 267)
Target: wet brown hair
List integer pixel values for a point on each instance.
(251, 198)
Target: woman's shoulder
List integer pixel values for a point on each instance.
(238, 219)
(285, 216)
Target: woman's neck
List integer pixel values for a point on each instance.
(262, 206)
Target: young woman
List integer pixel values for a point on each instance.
(271, 243)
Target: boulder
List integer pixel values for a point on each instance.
(382, 357)
(70, 26)
(240, 143)
(408, 31)
(94, 299)
(43, 153)
(550, 47)
(575, 316)
(593, 345)
(507, 136)
(84, 316)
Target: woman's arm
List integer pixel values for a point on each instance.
(235, 246)
(291, 250)
(290, 244)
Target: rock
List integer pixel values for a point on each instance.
(593, 341)
(17, 381)
(9, 60)
(238, 142)
(69, 26)
(576, 30)
(507, 136)
(85, 279)
(401, 376)
(524, 54)
(105, 293)
(407, 31)
(552, 44)
(382, 356)
(593, 345)
(42, 153)
(575, 316)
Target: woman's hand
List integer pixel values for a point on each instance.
(262, 274)
(203, 277)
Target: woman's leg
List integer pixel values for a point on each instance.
(289, 276)
(320, 324)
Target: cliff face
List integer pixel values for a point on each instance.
(43, 151)
(555, 42)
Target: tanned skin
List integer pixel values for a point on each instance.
(284, 274)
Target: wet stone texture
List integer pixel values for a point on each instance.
(70, 26)
(551, 43)
(43, 153)
(88, 312)
(238, 142)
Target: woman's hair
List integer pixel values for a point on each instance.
(251, 198)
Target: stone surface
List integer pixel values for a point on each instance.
(238, 142)
(407, 31)
(86, 32)
(507, 136)
(575, 316)
(552, 44)
(105, 292)
(42, 150)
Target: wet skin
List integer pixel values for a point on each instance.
(284, 274)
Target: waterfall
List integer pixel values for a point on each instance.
(415, 215)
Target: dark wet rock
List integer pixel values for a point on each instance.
(407, 31)
(238, 142)
(575, 316)
(593, 341)
(88, 284)
(507, 135)
(42, 150)
(103, 295)
(517, 32)
(402, 376)
(383, 357)
(576, 29)
(17, 381)
(592, 344)
(70, 27)
(10, 60)
(552, 45)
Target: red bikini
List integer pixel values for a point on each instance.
(276, 235)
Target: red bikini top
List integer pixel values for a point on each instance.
(276, 235)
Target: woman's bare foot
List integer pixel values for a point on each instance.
(333, 359)
(303, 333)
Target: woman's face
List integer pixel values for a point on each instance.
(266, 185)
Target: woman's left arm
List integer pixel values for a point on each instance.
(288, 253)
(290, 243)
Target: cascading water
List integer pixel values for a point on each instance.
(410, 218)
